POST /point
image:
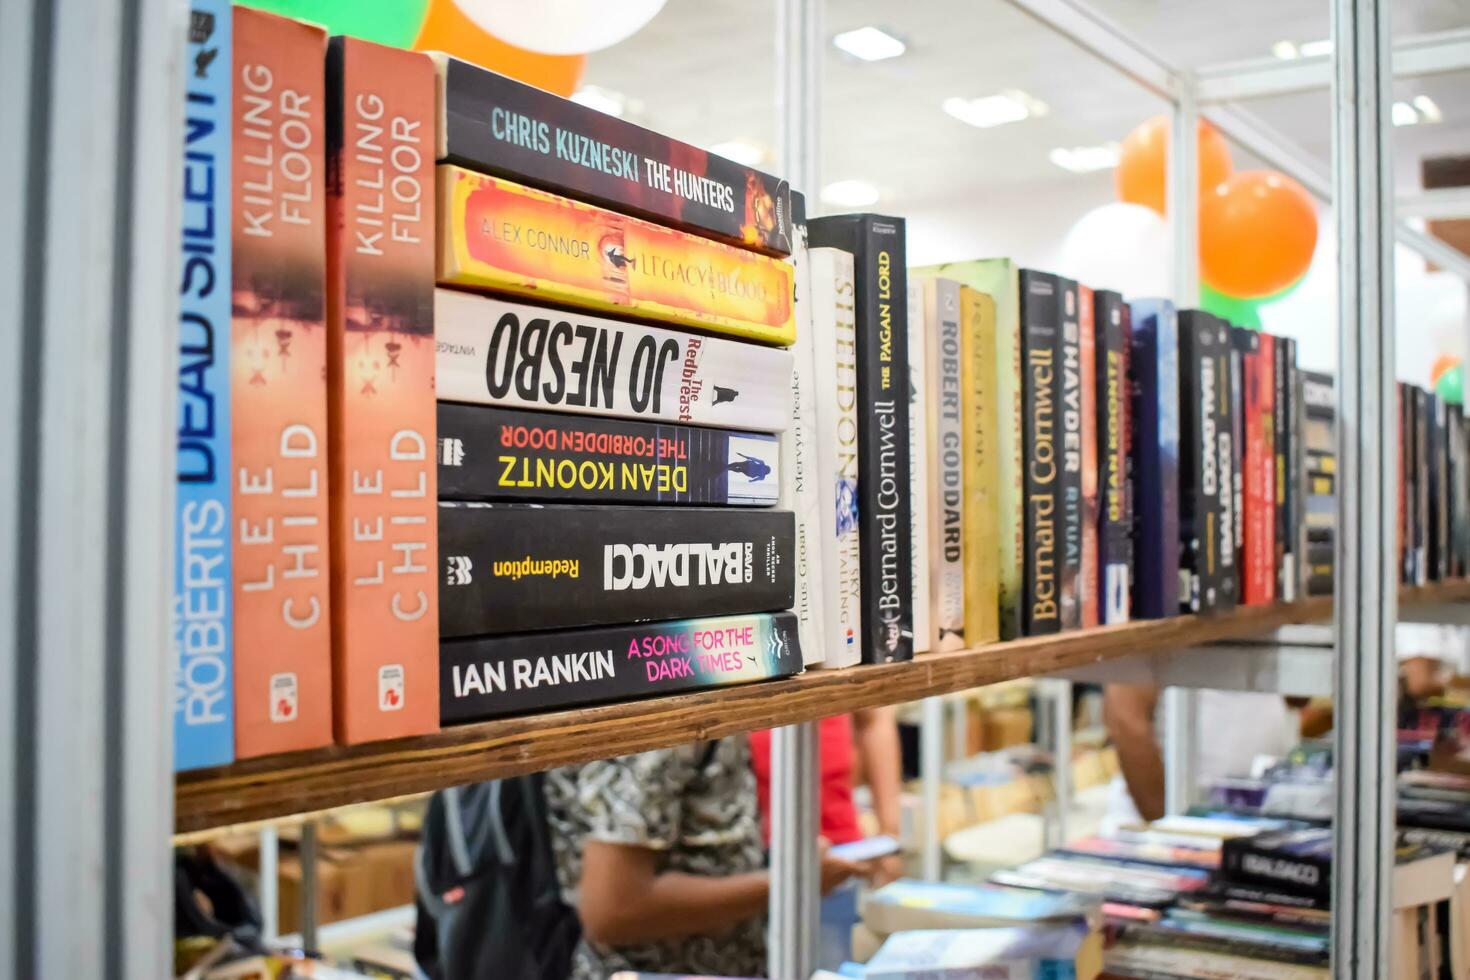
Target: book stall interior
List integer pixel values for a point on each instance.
(1017, 448)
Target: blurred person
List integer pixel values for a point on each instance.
(662, 856)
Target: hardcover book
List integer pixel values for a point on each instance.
(1228, 518)
(978, 382)
(1041, 333)
(834, 336)
(919, 484)
(380, 380)
(798, 449)
(1115, 517)
(490, 677)
(278, 389)
(500, 126)
(509, 568)
(1070, 483)
(1154, 381)
(496, 352)
(1088, 577)
(203, 692)
(877, 246)
(999, 279)
(487, 453)
(946, 435)
(494, 234)
(1260, 484)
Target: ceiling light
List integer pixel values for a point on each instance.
(850, 194)
(1404, 114)
(1085, 159)
(1285, 50)
(1009, 106)
(1428, 109)
(743, 152)
(869, 44)
(1315, 49)
(601, 99)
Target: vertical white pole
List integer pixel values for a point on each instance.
(1061, 698)
(269, 884)
(931, 773)
(1366, 598)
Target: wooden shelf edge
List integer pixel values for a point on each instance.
(262, 789)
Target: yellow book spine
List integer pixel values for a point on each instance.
(980, 384)
(495, 234)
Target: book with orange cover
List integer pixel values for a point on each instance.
(278, 390)
(380, 315)
(496, 234)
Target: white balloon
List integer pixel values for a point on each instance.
(1124, 247)
(561, 26)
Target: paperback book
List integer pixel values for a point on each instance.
(1073, 514)
(1258, 358)
(798, 451)
(982, 486)
(496, 352)
(1088, 577)
(495, 234)
(1154, 382)
(946, 432)
(1041, 328)
(919, 476)
(1115, 517)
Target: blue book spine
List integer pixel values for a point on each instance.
(1154, 367)
(203, 701)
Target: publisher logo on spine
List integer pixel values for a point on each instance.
(284, 697)
(458, 570)
(451, 452)
(390, 687)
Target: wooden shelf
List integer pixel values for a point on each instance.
(276, 786)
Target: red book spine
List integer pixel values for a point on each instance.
(1087, 342)
(380, 306)
(278, 369)
(1260, 580)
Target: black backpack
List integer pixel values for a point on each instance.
(489, 903)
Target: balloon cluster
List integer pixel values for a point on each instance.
(1257, 228)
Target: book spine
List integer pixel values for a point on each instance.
(515, 567)
(1010, 458)
(950, 465)
(502, 454)
(1242, 861)
(380, 381)
(1196, 466)
(797, 452)
(278, 390)
(1088, 576)
(1070, 358)
(1441, 469)
(1227, 517)
(1112, 451)
(1280, 421)
(203, 693)
(1238, 459)
(495, 352)
(1286, 451)
(979, 361)
(877, 244)
(1041, 343)
(494, 234)
(500, 126)
(1405, 446)
(834, 333)
(919, 476)
(1154, 364)
(1260, 520)
(1296, 470)
(490, 677)
(1421, 503)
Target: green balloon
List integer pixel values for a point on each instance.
(1241, 312)
(391, 22)
(1451, 386)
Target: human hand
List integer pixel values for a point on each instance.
(885, 869)
(834, 870)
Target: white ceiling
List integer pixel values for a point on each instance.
(703, 70)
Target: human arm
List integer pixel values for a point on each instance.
(880, 763)
(1128, 712)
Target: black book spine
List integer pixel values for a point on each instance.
(1184, 940)
(1408, 496)
(884, 533)
(1071, 475)
(490, 453)
(515, 567)
(1114, 516)
(1439, 466)
(1281, 430)
(1244, 860)
(490, 677)
(1421, 486)
(1226, 514)
(1239, 347)
(1197, 483)
(1041, 385)
(1290, 470)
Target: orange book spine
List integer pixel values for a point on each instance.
(278, 368)
(380, 316)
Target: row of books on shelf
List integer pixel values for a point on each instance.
(491, 403)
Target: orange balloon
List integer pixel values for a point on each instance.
(1442, 363)
(446, 29)
(1257, 233)
(1143, 163)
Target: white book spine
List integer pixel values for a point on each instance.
(494, 352)
(834, 343)
(946, 429)
(919, 468)
(798, 470)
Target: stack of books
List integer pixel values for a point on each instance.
(1319, 440)
(1434, 479)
